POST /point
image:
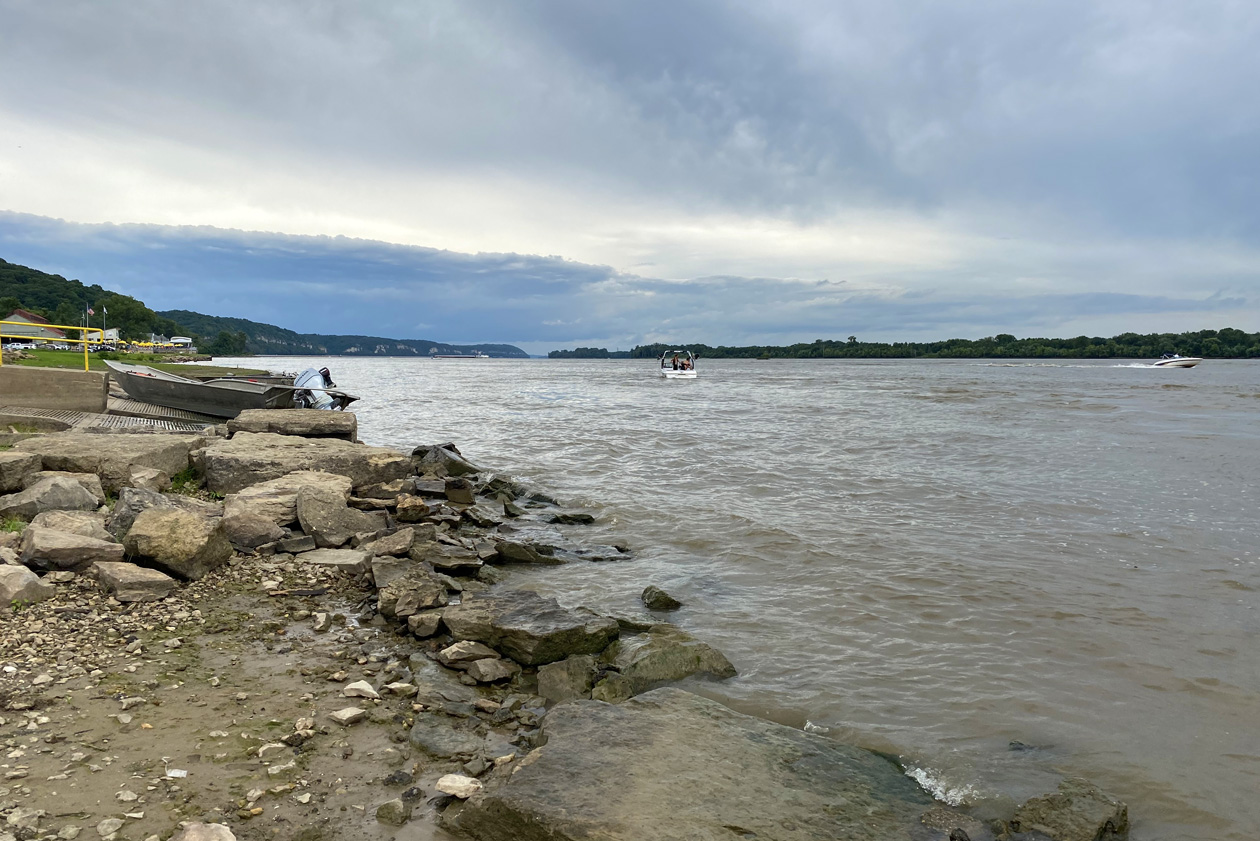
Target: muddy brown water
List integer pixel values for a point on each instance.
(937, 558)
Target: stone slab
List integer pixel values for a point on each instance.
(306, 423)
(246, 458)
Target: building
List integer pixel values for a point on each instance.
(32, 330)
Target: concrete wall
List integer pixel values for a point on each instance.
(49, 388)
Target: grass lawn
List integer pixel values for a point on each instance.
(73, 360)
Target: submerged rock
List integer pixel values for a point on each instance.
(529, 628)
(657, 599)
(670, 765)
(1078, 811)
(664, 654)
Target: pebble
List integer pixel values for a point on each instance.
(109, 826)
(347, 716)
(360, 689)
(457, 785)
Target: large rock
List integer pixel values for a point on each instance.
(324, 515)
(198, 831)
(567, 679)
(48, 549)
(529, 628)
(438, 737)
(307, 423)
(416, 591)
(112, 455)
(182, 543)
(452, 560)
(53, 494)
(670, 765)
(14, 466)
(19, 584)
(231, 465)
(86, 523)
(664, 654)
(441, 460)
(247, 530)
(132, 501)
(351, 561)
(276, 499)
(89, 481)
(1078, 811)
(525, 552)
(131, 583)
(398, 543)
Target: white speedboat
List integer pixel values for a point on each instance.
(1173, 360)
(678, 365)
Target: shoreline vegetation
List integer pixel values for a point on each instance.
(73, 360)
(296, 625)
(1227, 343)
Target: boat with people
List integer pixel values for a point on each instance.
(474, 355)
(227, 397)
(1173, 360)
(678, 365)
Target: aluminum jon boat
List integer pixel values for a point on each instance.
(226, 397)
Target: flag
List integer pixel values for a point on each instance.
(91, 311)
(104, 311)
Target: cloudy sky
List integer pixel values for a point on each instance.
(575, 172)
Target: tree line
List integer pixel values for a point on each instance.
(1210, 344)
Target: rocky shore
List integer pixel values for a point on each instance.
(272, 631)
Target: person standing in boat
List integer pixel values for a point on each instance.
(675, 362)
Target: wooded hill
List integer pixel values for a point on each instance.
(63, 301)
(1210, 344)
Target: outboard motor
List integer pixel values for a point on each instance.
(310, 392)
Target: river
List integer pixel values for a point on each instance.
(1001, 572)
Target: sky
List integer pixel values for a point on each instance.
(608, 174)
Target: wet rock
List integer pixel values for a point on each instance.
(388, 491)
(231, 465)
(450, 560)
(441, 460)
(307, 423)
(412, 509)
(55, 493)
(393, 812)
(416, 591)
(663, 655)
(520, 552)
(178, 542)
(437, 737)
(86, 523)
(1078, 811)
(460, 491)
(148, 479)
(430, 488)
(90, 482)
(325, 516)
(132, 501)
(352, 561)
(131, 583)
(246, 530)
(398, 543)
(387, 570)
(14, 466)
(571, 518)
(482, 516)
(729, 775)
(19, 584)
(112, 456)
(457, 785)
(492, 670)
(529, 628)
(276, 499)
(657, 599)
(567, 679)
(424, 624)
(198, 831)
(48, 549)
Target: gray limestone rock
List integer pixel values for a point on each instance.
(398, 543)
(524, 552)
(460, 654)
(86, 523)
(131, 583)
(451, 560)
(529, 628)
(198, 831)
(90, 482)
(438, 737)
(182, 543)
(247, 530)
(424, 624)
(670, 765)
(352, 561)
(324, 515)
(131, 501)
(1078, 811)
(55, 493)
(48, 549)
(388, 491)
(148, 478)
(112, 456)
(307, 423)
(232, 465)
(492, 670)
(14, 466)
(664, 654)
(276, 499)
(441, 460)
(460, 491)
(19, 584)
(393, 812)
(412, 509)
(567, 679)
(416, 591)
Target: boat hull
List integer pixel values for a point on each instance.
(1183, 362)
(678, 375)
(221, 399)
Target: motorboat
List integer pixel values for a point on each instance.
(678, 365)
(1173, 360)
(227, 397)
(475, 355)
